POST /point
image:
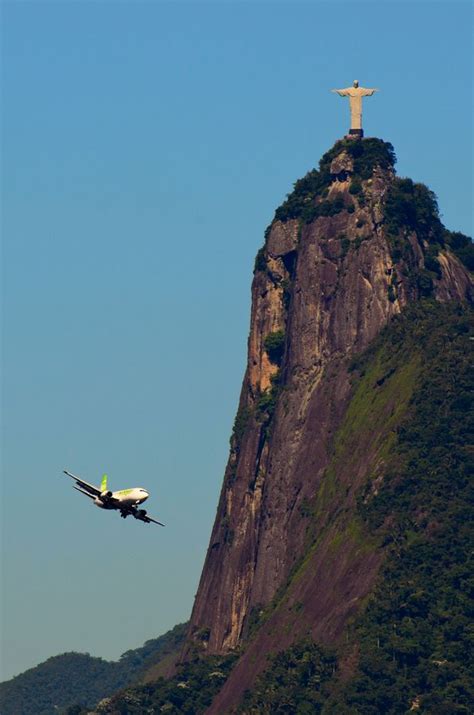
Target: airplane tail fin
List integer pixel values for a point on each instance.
(103, 484)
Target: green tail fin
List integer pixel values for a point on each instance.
(103, 484)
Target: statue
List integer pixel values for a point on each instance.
(355, 94)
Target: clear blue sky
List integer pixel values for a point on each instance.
(146, 146)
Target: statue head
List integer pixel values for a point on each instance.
(356, 83)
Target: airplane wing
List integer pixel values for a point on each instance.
(91, 496)
(86, 487)
(143, 516)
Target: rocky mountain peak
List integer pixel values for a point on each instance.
(348, 249)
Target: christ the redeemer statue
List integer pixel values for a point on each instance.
(355, 94)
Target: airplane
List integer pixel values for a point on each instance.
(126, 500)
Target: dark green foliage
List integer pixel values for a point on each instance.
(366, 155)
(415, 633)
(296, 682)
(312, 210)
(267, 403)
(260, 260)
(303, 195)
(424, 282)
(413, 207)
(188, 693)
(432, 264)
(358, 241)
(345, 245)
(308, 191)
(268, 399)
(274, 345)
(254, 620)
(240, 423)
(356, 186)
(71, 678)
(327, 208)
(462, 247)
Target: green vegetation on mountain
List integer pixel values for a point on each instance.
(296, 682)
(367, 154)
(411, 207)
(417, 629)
(410, 645)
(274, 345)
(189, 692)
(72, 678)
(301, 202)
(462, 246)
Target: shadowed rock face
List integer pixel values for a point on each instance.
(330, 285)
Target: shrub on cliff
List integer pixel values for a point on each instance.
(274, 345)
(260, 260)
(302, 201)
(303, 195)
(413, 207)
(462, 246)
(366, 154)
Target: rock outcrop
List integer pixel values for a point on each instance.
(339, 261)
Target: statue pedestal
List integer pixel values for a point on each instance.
(355, 134)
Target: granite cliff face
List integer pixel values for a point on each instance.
(347, 251)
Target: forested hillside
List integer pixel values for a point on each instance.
(78, 678)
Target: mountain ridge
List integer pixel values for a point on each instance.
(331, 275)
(70, 678)
(350, 248)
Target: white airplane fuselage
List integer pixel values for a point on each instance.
(127, 497)
(126, 501)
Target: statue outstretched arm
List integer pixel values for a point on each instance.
(341, 92)
(368, 92)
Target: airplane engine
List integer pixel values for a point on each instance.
(105, 495)
(99, 502)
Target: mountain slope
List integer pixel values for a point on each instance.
(79, 678)
(409, 645)
(348, 250)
